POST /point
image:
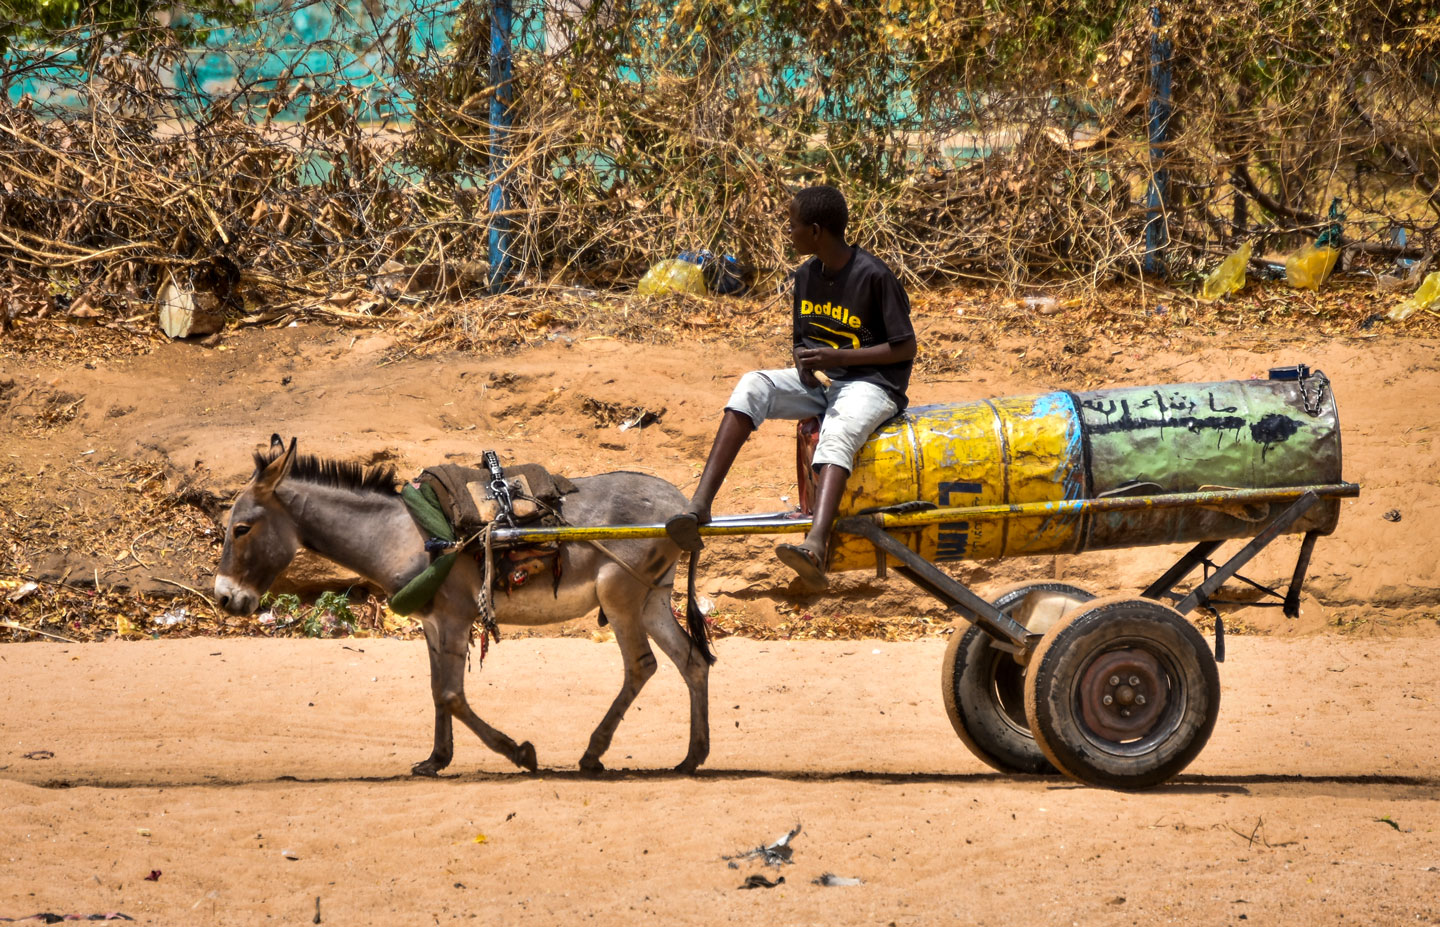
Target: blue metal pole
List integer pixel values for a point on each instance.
(500, 115)
(1157, 232)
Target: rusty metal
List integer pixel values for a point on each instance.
(1122, 694)
(1297, 579)
(1201, 593)
(1009, 634)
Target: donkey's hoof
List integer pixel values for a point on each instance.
(688, 766)
(591, 765)
(524, 756)
(428, 768)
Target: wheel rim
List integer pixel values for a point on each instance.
(984, 686)
(1139, 714)
(1007, 677)
(1007, 681)
(1122, 694)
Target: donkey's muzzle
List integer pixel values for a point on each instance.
(234, 598)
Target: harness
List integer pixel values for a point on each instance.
(457, 509)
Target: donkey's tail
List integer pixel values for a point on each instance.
(694, 620)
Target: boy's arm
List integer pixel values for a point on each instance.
(809, 360)
(807, 377)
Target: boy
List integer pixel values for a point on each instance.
(853, 346)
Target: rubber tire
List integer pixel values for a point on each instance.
(971, 678)
(1058, 667)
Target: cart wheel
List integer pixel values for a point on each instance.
(1122, 693)
(984, 687)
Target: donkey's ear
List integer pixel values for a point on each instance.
(276, 444)
(278, 468)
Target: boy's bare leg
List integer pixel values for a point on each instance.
(735, 428)
(808, 557)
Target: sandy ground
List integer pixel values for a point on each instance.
(205, 759)
(198, 413)
(1315, 802)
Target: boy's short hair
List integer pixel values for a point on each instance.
(823, 205)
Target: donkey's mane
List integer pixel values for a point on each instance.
(342, 474)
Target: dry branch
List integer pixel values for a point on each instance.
(972, 145)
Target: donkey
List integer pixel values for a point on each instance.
(354, 516)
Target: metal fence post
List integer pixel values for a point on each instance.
(1157, 231)
(500, 116)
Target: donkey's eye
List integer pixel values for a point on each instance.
(241, 530)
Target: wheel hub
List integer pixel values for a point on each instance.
(1122, 694)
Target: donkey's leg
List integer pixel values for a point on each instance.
(661, 624)
(522, 755)
(617, 598)
(448, 687)
(444, 748)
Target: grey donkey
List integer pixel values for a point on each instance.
(354, 517)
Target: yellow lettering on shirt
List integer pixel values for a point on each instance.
(830, 310)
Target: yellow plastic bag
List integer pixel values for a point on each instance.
(1308, 267)
(1229, 277)
(1422, 298)
(672, 276)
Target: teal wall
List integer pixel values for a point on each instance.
(326, 44)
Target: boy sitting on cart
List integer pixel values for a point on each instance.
(853, 346)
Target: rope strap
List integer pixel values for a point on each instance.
(485, 600)
(625, 566)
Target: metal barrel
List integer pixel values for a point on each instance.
(1072, 446)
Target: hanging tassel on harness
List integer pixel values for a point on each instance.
(485, 622)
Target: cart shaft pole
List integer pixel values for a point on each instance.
(1114, 504)
(784, 524)
(942, 586)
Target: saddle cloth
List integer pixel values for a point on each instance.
(467, 496)
(452, 502)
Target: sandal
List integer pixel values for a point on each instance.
(684, 530)
(805, 562)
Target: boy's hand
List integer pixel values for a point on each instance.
(810, 360)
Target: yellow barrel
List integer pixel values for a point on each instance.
(1068, 447)
(991, 452)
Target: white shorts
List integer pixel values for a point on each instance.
(851, 409)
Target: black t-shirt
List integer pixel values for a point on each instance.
(860, 306)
